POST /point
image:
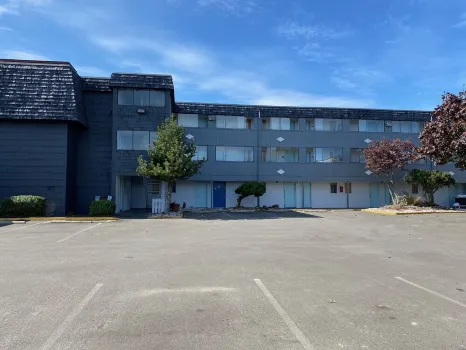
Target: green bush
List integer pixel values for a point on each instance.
(5, 207)
(22, 206)
(102, 208)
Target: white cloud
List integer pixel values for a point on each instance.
(6, 29)
(91, 71)
(173, 55)
(198, 69)
(24, 55)
(462, 22)
(294, 30)
(363, 80)
(237, 7)
(294, 98)
(15, 6)
(314, 42)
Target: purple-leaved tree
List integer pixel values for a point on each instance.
(444, 139)
(386, 157)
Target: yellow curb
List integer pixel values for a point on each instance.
(380, 212)
(64, 218)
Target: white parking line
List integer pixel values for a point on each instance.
(432, 292)
(25, 226)
(77, 233)
(76, 311)
(286, 318)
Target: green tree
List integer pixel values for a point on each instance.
(430, 181)
(252, 188)
(171, 157)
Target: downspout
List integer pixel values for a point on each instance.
(258, 150)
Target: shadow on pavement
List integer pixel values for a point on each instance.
(134, 214)
(5, 223)
(253, 215)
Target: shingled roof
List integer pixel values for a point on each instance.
(40, 90)
(96, 84)
(142, 81)
(300, 112)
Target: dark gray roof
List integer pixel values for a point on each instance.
(295, 112)
(40, 90)
(143, 81)
(96, 84)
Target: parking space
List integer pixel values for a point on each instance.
(273, 280)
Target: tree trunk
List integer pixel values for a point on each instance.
(168, 199)
(238, 201)
(429, 197)
(391, 189)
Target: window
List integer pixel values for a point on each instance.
(141, 97)
(280, 155)
(152, 138)
(310, 124)
(203, 121)
(406, 127)
(348, 187)
(354, 125)
(333, 187)
(188, 120)
(371, 125)
(174, 188)
(248, 123)
(230, 122)
(124, 140)
(201, 153)
(157, 98)
(310, 155)
(328, 124)
(265, 123)
(234, 154)
(280, 124)
(135, 140)
(328, 155)
(140, 140)
(414, 188)
(153, 186)
(357, 155)
(294, 124)
(125, 97)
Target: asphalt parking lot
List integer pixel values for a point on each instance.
(276, 280)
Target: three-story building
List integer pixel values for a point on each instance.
(72, 138)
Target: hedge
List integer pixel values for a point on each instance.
(22, 206)
(102, 208)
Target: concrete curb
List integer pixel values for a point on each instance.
(380, 212)
(59, 219)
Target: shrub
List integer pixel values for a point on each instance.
(102, 208)
(247, 189)
(22, 206)
(5, 207)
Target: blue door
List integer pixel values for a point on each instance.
(219, 194)
(374, 193)
(290, 195)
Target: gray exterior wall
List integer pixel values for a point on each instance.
(94, 152)
(33, 158)
(302, 139)
(127, 118)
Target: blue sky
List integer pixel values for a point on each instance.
(397, 54)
